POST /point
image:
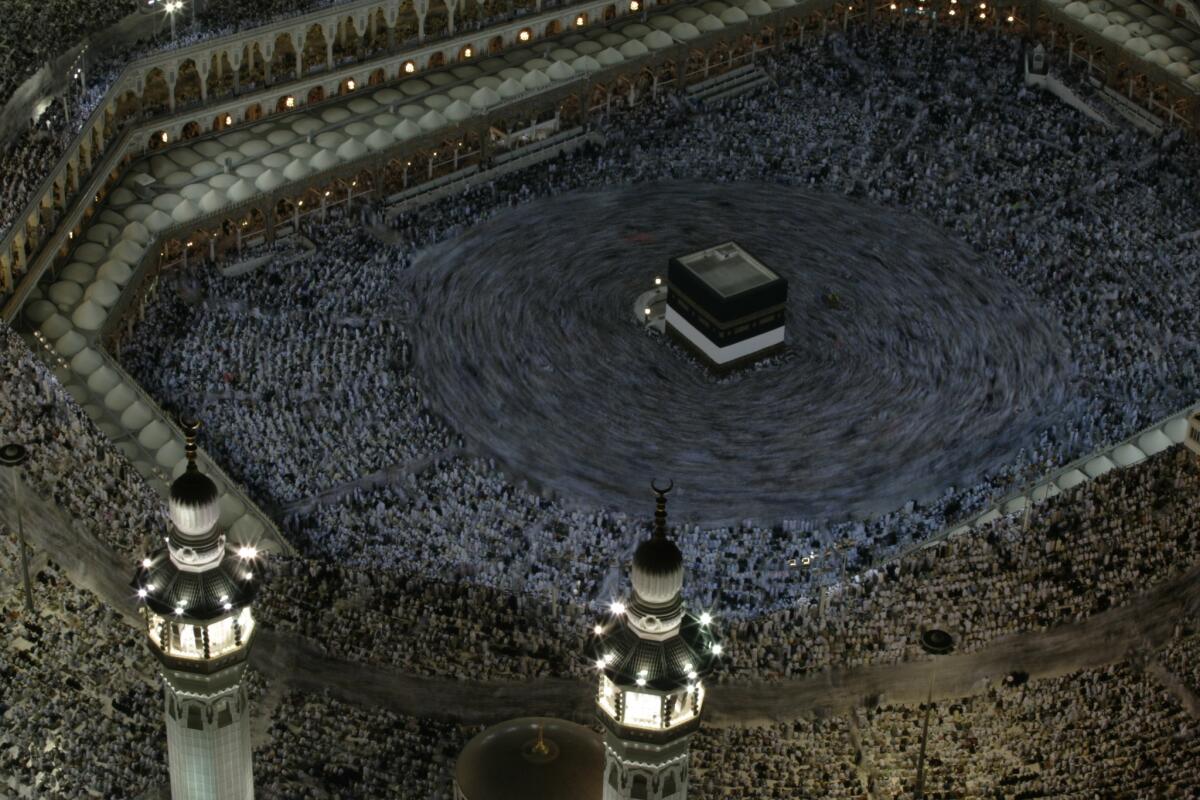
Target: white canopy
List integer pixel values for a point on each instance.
(1096, 22)
(608, 56)
(330, 139)
(104, 292)
(362, 105)
(432, 120)
(324, 160)
(303, 150)
(166, 201)
(54, 326)
(276, 160)
(208, 148)
(296, 170)
(194, 191)
(242, 190)
(633, 48)
(306, 125)
(137, 212)
(485, 98)
(1077, 10)
(118, 272)
(437, 101)
(79, 272)
(709, 23)
(254, 148)
(39, 311)
(136, 417)
(270, 180)
(560, 71)
(103, 380)
(119, 398)
(154, 435)
(535, 79)
(101, 233)
(127, 251)
(458, 111)
(69, 344)
(185, 211)
(414, 87)
(1137, 46)
(381, 139)
(509, 88)
(1159, 57)
(281, 136)
(386, 96)
(585, 65)
(351, 149)
(1116, 33)
(65, 293)
(407, 129)
(211, 201)
(89, 316)
(158, 221)
(758, 8)
(685, 31)
(657, 40)
(733, 16)
(334, 114)
(90, 253)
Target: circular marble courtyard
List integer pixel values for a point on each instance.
(911, 365)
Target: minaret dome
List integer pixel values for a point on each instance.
(193, 502)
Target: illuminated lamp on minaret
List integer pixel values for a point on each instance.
(653, 656)
(196, 593)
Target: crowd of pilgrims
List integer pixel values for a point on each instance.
(445, 567)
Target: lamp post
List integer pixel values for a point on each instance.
(936, 643)
(171, 7)
(14, 456)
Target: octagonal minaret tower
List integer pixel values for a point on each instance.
(196, 593)
(653, 656)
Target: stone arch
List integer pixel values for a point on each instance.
(187, 84)
(377, 77)
(253, 113)
(610, 12)
(283, 58)
(157, 140)
(436, 60)
(376, 38)
(220, 75)
(315, 49)
(156, 93)
(191, 130)
(315, 94)
(222, 121)
(346, 42)
(553, 28)
(128, 104)
(285, 103)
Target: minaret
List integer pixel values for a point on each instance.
(196, 593)
(653, 656)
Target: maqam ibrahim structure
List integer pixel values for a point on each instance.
(196, 593)
(653, 656)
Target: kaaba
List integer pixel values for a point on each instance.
(725, 306)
